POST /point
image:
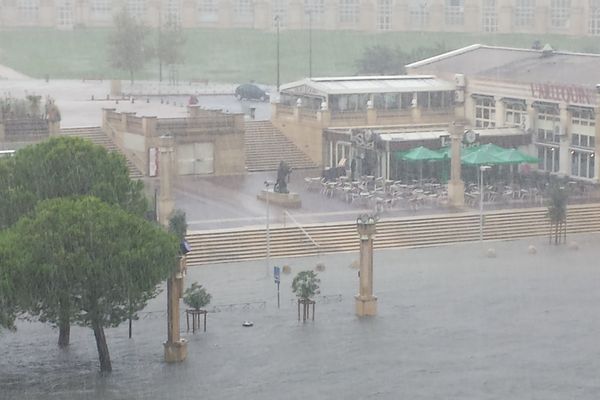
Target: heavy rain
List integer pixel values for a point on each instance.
(329, 199)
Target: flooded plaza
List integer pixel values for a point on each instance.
(452, 324)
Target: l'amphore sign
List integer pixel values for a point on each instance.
(559, 92)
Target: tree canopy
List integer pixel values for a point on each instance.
(305, 284)
(128, 45)
(99, 260)
(196, 296)
(63, 167)
(169, 48)
(382, 60)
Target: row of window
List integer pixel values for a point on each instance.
(516, 113)
(582, 162)
(524, 12)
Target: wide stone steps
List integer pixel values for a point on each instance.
(266, 147)
(250, 244)
(96, 135)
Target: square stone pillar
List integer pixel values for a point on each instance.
(456, 187)
(366, 303)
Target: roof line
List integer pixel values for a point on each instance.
(442, 56)
(473, 47)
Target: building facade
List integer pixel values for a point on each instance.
(553, 96)
(570, 17)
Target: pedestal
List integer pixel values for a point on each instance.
(176, 351)
(286, 200)
(366, 306)
(456, 194)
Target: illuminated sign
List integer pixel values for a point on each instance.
(566, 93)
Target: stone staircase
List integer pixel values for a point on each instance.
(96, 135)
(266, 146)
(250, 244)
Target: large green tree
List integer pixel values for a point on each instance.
(92, 260)
(128, 46)
(63, 167)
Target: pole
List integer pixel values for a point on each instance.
(277, 19)
(481, 204)
(268, 232)
(277, 294)
(310, 44)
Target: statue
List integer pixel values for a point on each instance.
(283, 173)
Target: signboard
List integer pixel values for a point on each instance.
(277, 274)
(562, 92)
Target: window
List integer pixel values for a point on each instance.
(435, 100)
(524, 13)
(455, 12)
(64, 9)
(384, 15)
(516, 114)
(348, 11)
(560, 12)
(314, 10)
(579, 140)
(101, 9)
(172, 12)
(582, 164)
(136, 9)
(547, 136)
(419, 13)
(279, 10)
(594, 18)
(243, 11)
(28, 10)
(583, 116)
(489, 16)
(548, 157)
(208, 10)
(485, 112)
(342, 150)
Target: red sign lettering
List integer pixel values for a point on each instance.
(566, 93)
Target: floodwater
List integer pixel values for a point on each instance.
(452, 324)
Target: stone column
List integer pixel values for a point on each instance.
(564, 152)
(366, 303)
(597, 138)
(456, 187)
(175, 347)
(500, 112)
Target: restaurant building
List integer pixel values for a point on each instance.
(552, 95)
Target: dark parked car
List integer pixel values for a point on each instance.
(249, 91)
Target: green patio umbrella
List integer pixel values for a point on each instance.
(463, 151)
(514, 156)
(495, 149)
(481, 156)
(422, 154)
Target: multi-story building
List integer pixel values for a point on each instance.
(553, 96)
(571, 17)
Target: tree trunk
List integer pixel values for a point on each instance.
(64, 326)
(556, 233)
(103, 355)
(64, 333)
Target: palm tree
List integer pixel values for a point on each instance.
(557, 213)
(305, 285)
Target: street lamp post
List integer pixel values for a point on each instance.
(277, 19)
(309, 12)
(268, 259)
(482, 169)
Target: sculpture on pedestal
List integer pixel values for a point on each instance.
(283, 174)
